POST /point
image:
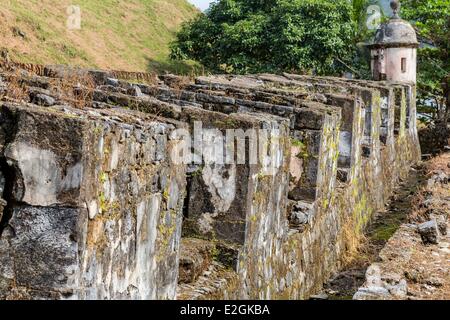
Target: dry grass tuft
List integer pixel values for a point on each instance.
(75, 88)
(355, 243)
(422, 204)
(16, 88)
(178, 82)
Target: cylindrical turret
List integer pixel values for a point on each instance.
(394, 49)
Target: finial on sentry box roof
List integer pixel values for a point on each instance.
(395, 5)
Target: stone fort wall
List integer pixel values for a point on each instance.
(95, 205)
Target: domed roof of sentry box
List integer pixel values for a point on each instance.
(396, 32)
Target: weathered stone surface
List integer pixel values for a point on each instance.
(96, 214)
(365, 174)
(301, 213)
(110, 166)
(49, 170)
(440, 178)
(429, 232)
(3, 204)
(112, 82)
(216, 283)
(3, 86)
(42, 99)
(195, 258)
(135, 91)
(381, 286)
(44, 250)
(372, 293)
(321, 296)
(442, 224)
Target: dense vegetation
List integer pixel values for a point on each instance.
(432, 20)
(242, 36)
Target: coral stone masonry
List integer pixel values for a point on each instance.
(122, 189)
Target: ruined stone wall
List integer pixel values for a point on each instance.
(94, 205)
(136, 222)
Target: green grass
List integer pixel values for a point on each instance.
(385, 231)
(129, 35)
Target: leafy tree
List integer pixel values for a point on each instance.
(432, 21)
(248, 36)
(361, 58)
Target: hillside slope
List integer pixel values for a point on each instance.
(115, 34)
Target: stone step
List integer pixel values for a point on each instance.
(217, 282)
(197, 256)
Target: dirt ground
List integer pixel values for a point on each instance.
(394, 262)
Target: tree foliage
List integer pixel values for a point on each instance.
(248, 36)
(432, 21)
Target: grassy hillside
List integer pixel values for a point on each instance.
(128, 35)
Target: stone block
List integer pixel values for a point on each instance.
(81, 200)
(44, 249)
(429, 232)
(195, 258)
(103, 181)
